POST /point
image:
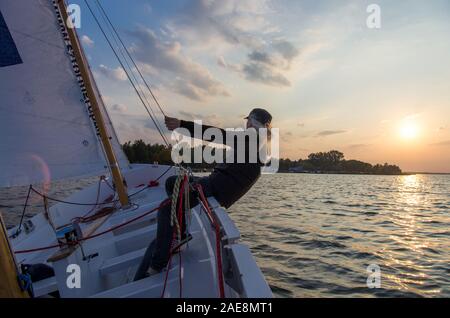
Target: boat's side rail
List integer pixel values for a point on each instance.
(244, 275)
(230, 232)
(240, 269)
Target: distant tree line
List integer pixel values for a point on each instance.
(141, 152)
(320, 162)
(335, 162)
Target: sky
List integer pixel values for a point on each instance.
(331, 82)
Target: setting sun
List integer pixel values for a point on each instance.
(409, 130)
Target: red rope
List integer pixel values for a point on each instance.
(167, 269)
(164, 203)
(180, 220)
(37, 249)
(126, 223)
(218, 245)
(180, 276)
(152, 183)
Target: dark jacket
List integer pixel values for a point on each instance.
(230, 181)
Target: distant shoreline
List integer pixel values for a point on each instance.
(369, 174)
(438, 173)
(347, 173)
(331, 162)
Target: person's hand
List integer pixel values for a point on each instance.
(172, 123)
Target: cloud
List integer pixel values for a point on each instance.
(120, 108)
(196, 116)
(261, 57)
(216, 25)
(87, 41)
(130, 131)
(258, 72)
(117, 74)
(286, 49)
(132, 127)
(287, 136)
(442, 143)
(219, 22)
(412, 116)
(147, 69)
(223, 29)
(259, 69)
(221, 61)
(279, 54)
(192, 79)
(267, 65)
(325, 133)
(358, 146)
(187, 89)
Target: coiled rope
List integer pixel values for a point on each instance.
(176, 195)
(181, 183)
(182, 189)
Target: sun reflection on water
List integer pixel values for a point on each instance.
(409, 195)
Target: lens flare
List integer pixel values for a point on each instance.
(45, 172)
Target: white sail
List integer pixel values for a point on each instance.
(120, 155)
(46, 131)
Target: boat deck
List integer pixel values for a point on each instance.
(108, 262)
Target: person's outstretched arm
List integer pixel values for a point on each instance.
(174, 123)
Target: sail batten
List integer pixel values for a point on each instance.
(47, 130)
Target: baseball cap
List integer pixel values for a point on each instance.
(261, 115)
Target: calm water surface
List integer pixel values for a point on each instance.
(315, 235)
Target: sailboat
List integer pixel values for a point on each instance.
(54, 125)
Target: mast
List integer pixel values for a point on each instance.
(106, 141)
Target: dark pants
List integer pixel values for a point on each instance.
(158, 253)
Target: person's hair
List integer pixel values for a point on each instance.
(258, 125)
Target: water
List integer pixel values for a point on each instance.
(315, 235)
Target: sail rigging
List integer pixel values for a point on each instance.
(124, 60)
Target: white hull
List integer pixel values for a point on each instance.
(108, 262)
